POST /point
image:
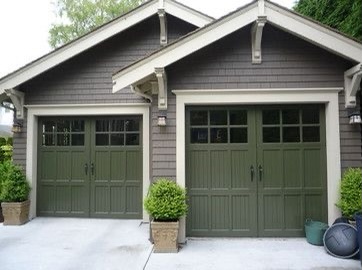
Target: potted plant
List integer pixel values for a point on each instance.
(350, 189)
(14, 194)
(166, 203)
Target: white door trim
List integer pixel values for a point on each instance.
(81, 110)
(327, 96)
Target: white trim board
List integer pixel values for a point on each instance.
(81, 110)
(95, 37)
(275, 15)
(328, 96)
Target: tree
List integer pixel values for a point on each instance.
(343, 15)
(78, 17)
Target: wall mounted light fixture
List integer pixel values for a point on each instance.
(17, 127)
(161, 120)
(354, 117)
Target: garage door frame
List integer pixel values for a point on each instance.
(35, 111)
(327, 96)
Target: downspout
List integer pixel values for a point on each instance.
(136, 90)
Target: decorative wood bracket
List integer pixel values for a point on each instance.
(256, 37)
(162, 88)
(163, 23)
(17, 97)
(352, 80)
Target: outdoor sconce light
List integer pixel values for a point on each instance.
(16, 127)
(161, 121)
(354, 117)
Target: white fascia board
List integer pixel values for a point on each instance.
(314, 33)
(184, 47)
(79, 46)
(186, 14)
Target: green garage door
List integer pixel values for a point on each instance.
(255, 171)
(90, 167)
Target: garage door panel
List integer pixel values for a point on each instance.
(77, 166)
(199, 173)
(101, 199)
(47, 166)
(220, 169)
(314, 206)
(102, 166)
(133, 165)
(313, 175)
(117, 200)
(240, 170)
(117, 165)
(198, 216)
(243, 213)
(133, 203)
(63, 199)
(292, 168)
(220, 217)
(293, 212)
(272, 213)
(80, 199)
(272, 160)
(63, 165)
(47, 201)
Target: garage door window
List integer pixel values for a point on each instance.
(117, 132)
(63, 133)
(218, 126)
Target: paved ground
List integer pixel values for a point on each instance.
(62, 244)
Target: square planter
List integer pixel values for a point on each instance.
(15, 213)
(165, 236)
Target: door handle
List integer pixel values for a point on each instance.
(86, 168)
(252, 173)
(92, 168)
(260, 172)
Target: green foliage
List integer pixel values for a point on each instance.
(344, 15)
(6, 149)
(351, 189)
(166, 200)
(13, 186)
(78, 17)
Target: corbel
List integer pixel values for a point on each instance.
(138, 91)
(352, 80)
(163, 26)
(256, 37)
(17, 98)
(162, 88)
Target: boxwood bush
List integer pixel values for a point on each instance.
(350, 190)
(166, 201)
(14, 186)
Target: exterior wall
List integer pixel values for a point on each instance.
(87, 78)
(288, 62)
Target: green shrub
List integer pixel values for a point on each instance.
(14, 186)
(350, 189)
(166, 201)
(6, 148)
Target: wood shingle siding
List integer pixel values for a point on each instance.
(87, 78)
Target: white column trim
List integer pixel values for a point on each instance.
(328, 96)
(34, 111)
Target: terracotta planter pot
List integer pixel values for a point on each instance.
(15, 213)
(165, 236)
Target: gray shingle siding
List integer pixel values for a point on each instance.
(87, 78)
(288, 62)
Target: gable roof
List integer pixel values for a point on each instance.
(276, 15)
(100, 34)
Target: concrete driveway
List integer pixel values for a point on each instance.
(69, 243)
(66, 243)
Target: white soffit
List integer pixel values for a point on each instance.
(275, 15)
(95, 37)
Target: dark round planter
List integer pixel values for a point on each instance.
(358, 218)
